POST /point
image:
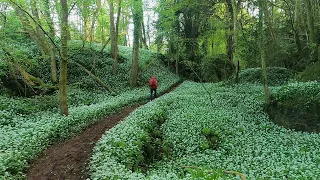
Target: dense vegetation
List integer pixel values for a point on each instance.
(28, 125)
(253, 105)
(248, 141)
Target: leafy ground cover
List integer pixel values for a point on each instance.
(28, 126)
(296, 106)
(247, 141)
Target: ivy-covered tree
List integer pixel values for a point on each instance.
(136, 11)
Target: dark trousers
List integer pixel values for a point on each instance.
(153, 94)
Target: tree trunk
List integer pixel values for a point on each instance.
(86, 23)
(40, 34)
(262, 50)
(54, 78)
(311, 27)
(235, 35)
(271, 43)
(27, 25)
(94, 17)
(64, 58)
(113, 37)
(230, 30)
(144, 37)
(124, 21)
(86, 29)
(297, 26)
(118, 19)
(137, 8)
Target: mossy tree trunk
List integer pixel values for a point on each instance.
(64, 58)
(311, 28)
(262, 9)
(137, 9)
(31, 23)
(235, 7)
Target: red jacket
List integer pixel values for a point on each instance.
(153, 83)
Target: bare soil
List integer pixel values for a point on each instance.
(69, 159)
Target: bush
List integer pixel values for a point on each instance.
(276, 76)
(216, 68)
(297, 106)
(311, 73)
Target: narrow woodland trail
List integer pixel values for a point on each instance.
(69, 159)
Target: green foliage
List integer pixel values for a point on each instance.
(297, 106)
(311, 73)
(305, 90)
(248, 143)
(205, 174)
(212, 139)
(216, 68)
(29, 125)
(276, 76)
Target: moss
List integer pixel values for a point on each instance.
(311, 73)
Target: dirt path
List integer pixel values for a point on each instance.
(69, 159)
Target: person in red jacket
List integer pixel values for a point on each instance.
(153, 84)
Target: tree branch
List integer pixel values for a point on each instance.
(98, 80)
(73, 5)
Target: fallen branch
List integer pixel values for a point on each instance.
(104, 45)
(97, 79)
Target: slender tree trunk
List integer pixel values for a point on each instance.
(144, 37)
(262, 50)
(94, 17)
(311, 27)
(148, 31)
(114, 34)
(177, 64)
(113, 37)
(49, 20)
(86, 28)
(235, 37)
(297, 26)
(137, 8)
(64, 58)
(118, 19)
(229, 30)
(40, 34)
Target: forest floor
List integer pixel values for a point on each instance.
(69, 159)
